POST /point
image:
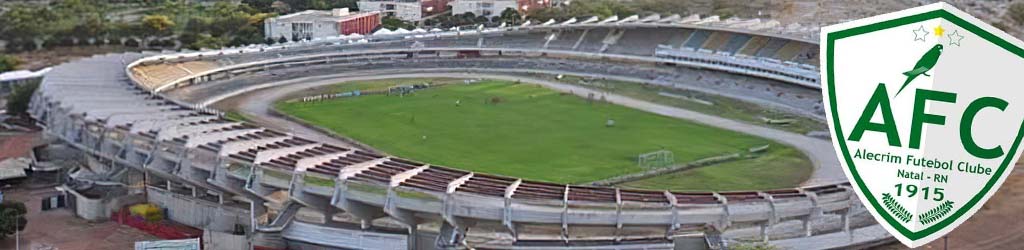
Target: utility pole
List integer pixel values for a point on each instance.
(17, 236)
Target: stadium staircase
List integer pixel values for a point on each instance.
(448, 237)
(611, 39)
(715, 241)
(580, 40)
(269, 236)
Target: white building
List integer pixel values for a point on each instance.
(405, 10)
(488, 8)
(320, 23)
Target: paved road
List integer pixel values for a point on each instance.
(256, 105)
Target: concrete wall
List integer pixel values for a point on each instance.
(275, 29)
(100, 209)
(89, 209)
(303, 235)
(198, 213)
(213, 240)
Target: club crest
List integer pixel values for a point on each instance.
(925, 110)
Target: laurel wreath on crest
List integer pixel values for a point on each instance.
(896, 209)
(936, 213)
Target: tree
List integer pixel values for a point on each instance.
(392, 23)
(21, 95)
(12, 216)
(668, 7)
(8, 63)
(599, 8)
(299, 5)
(510, 16)
(208, 41)
(261, 5)
(27, 25)
(157, 24)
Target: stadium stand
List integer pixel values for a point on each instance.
(448, 42)
(593, 41)
(789, 51)
(755, 44)
(735, 43)
(678, 38)
(808, 56)
(639, 42)
(528, 40)
(86, 102)
(716, 40)
(613, 37)
(160, 74)
(771, 47)
(565, 40)
(697, 39)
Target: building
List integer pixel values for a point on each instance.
(492, 8)
(321, 23)
(488, 8)
(528, 5)
(405, 10)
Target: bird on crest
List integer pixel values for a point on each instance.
(923, 65)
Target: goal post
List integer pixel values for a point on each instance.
(656, 159)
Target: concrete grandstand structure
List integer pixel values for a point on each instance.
(115, 108)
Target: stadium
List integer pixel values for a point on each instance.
(147, 120)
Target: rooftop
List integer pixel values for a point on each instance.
(16, 146)
(321, 15)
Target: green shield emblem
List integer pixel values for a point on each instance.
(926, 109)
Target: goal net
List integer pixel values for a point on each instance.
(656, 159)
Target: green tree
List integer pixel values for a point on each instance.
(260, 5)
(26, 25)
(392, 23)
(12, 216)
(91, 25)
(510, 16)
(665, 7)
(62, 22)
(208, 41)
(8, 63)
(157, 24)
(17, 101)
(599, 8)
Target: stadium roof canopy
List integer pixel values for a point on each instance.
(22, 74)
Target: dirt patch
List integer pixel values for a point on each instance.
(60, 229)
(35, 60)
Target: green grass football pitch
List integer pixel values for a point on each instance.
(527, 131)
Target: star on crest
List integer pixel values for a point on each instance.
(955, 38)
(939, 30)
(920, 34)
